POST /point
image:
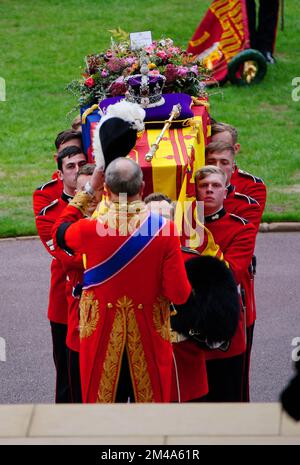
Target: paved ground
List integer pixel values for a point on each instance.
(27, 375)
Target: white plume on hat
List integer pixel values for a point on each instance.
(132, 113)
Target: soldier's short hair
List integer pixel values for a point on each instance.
(69, 152)
(217, 128)
(157, 197)
(219, 146)
(65, 136)
(86, 170)
(207, 170)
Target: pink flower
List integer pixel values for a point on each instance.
(115, 65)
(104, 73)
(173, 51)
(170, 72)
(182, 71)
(154, 72)
(89, 82)
(117, 87)
(108, 54)
(130, 60)
(162, 54)
(150, 48)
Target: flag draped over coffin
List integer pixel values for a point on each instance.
(180, 153)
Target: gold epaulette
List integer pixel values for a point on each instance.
(82, 201)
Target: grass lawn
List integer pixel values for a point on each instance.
(42, 49)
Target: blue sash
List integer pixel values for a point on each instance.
(128, 251)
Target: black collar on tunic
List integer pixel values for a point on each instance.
(215, 216)
(230, 188)
(66, 197)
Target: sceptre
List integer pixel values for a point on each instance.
(173, 115)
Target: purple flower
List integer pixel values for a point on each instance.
(194, 69)
(130, 60)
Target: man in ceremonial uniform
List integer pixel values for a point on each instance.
(68, 161)
(263, 35)
(236, 239)
(221, 153)
(52, 190)
(244, 182)
(74, 279)
(134, 268)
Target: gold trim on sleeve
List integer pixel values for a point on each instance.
(161, 317)
(89, 314)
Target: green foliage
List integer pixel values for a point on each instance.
(43, 45)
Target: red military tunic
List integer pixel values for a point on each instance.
(74, 279)
(57, 307)
(189, 377)
(130, 311)
(248, 208)
(242, 205)
(254, 187)
(47, 193)
(236, 238)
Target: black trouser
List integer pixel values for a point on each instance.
(246, 384)
(60, 356)
(225, 379)
(74, 377)
(199, 399)
(263, 34)
(125, 390)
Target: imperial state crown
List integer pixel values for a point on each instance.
(145, 89)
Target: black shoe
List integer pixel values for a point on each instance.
(269, 57)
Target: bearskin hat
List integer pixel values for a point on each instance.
(116, 133)
(212, 311)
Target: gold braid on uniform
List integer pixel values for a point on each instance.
(82, 201)
(124, 217)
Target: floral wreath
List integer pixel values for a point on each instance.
(104, 74)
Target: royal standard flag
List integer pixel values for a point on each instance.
(180, 153)
(221, 35)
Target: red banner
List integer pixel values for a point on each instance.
(221, 35)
